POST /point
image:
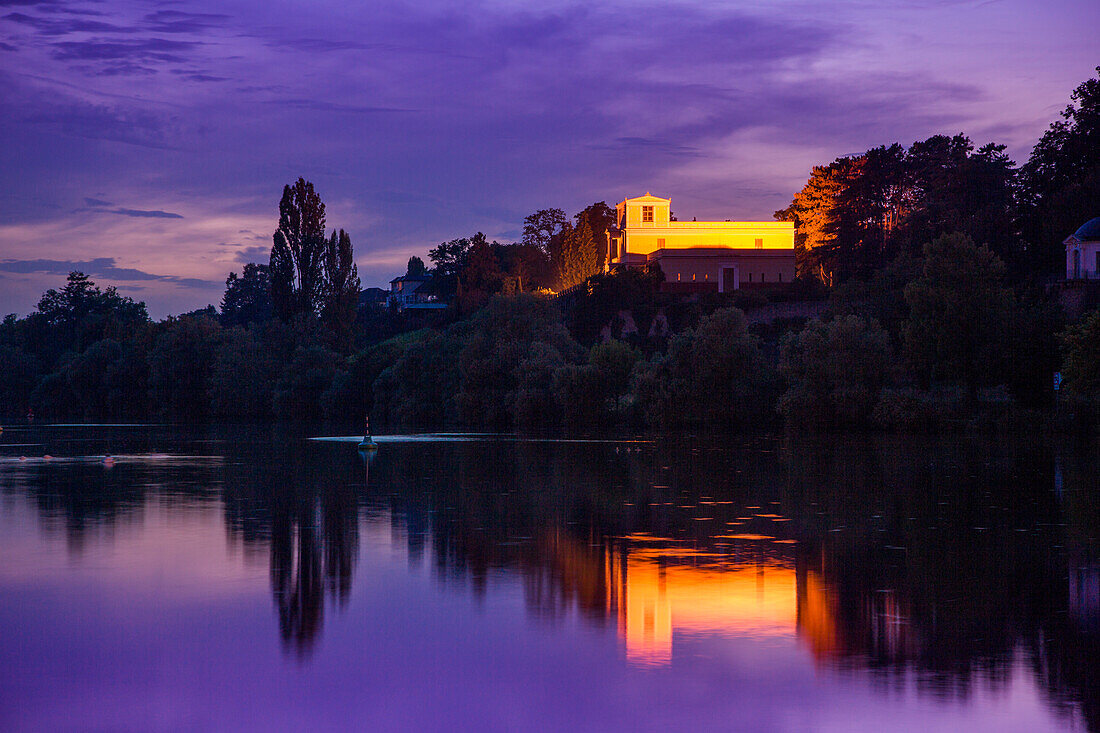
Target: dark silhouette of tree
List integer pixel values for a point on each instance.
(481, 277)
(312, 275)
(960, 314)
(1081, 365)
(340, 294)
(80, 314)
(416, 267)
(298, 253)
(180, 365)
(449, 257)
(247, 298)
(541, 227)
(1061, 179)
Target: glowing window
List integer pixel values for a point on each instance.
(760, 244)
(647, 214)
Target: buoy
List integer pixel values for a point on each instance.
(368, 442)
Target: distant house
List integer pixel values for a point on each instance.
(699, 256)
(1083, 252)
(373, 296)
(416, 292)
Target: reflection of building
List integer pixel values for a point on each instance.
(1084, 596)
(662, 591)
(699, 256)
(1083, 252)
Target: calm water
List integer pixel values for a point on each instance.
(261, 580)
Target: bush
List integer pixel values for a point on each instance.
(712, 375)
(835, 372)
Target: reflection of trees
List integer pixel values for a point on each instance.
(941, 560)
(950, 561)
(305, 507)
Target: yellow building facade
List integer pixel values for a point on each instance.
(697, 256)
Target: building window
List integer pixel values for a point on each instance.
(1097, 270)
(781, 277)
(647, 214)
(660, 242)
(762, 276)
(750, 277)
(759, 243)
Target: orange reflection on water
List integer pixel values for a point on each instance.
(664, 591)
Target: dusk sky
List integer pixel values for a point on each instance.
(147, 143)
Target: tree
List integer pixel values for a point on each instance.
(180, 365)
(812, 212)
(312, 275)
(1061, 179)
(80, 314)
(449, 257)
(600, 217)
(416, 267)
(1081, 357)
(960, 314)
(341, 287)
(861, 212)
(481, 275)
(542, 227)
(20, 377)
(298, 252)
(835, 371)
(712, 375)
(247, 298)
(578, 257)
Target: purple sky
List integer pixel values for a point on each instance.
(147, 143)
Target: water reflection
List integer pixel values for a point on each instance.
(949, 567)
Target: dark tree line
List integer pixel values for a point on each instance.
(859, 213)
(931, 321)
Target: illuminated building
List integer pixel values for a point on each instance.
(700, 256)
(1083, 252)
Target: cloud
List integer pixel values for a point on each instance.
(146, 214)
(256, 253)
(112, 122)
(136, 51)
(104, 267)
(323, 105)
(64, 26)
(178, 21)
(98, 205)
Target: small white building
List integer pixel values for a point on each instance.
(1083, 252)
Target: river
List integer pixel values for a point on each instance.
(154, 578)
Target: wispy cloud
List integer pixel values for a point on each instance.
(98, 205)
(100, 267)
